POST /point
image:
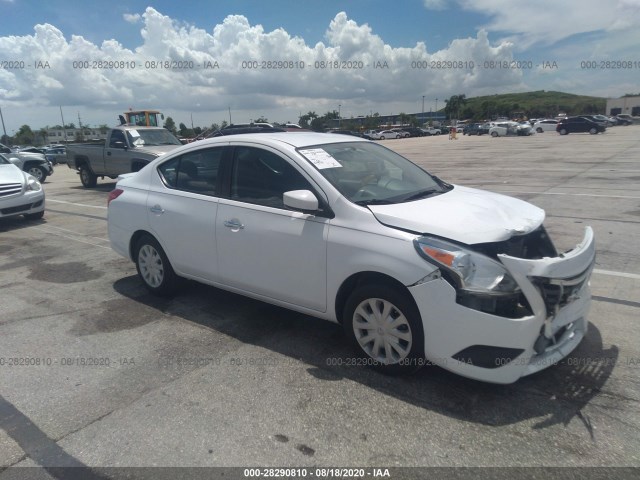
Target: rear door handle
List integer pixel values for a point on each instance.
(157, 209)
(233, 224)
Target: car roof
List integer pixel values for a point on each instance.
(294, 139)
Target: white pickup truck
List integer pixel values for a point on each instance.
(127, 148)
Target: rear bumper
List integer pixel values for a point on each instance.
(497, 349)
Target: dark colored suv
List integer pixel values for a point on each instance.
(579, 125)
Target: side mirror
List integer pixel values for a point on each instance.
(302, 200)
(119, 144)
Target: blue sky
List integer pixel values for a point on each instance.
(62, 33)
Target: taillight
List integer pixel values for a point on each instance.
(113, 194)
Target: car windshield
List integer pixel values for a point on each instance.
(367, 173)
(151, 137)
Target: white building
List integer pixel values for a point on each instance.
(60, 135)
(626, 105)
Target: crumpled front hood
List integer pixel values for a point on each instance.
(466, 215)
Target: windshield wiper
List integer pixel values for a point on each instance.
(373, 201)
(418, 195)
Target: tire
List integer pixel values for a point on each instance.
(34, 216)
(382, 137)
(437, 133)
(593, 131)
(539, 130)
(563, 131)
(494, 134)
(87, 177)
(38, 173)
(154, 267)
(405, 342)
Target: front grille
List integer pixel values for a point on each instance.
(7, 189)
(557, 293)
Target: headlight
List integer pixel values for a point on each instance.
(33, 185)
(472, 271)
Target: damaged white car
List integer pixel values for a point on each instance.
(415, 269)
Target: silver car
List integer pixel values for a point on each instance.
(20, 193)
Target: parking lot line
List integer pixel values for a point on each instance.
(77, 204)
(635, 276)
(572, 194)
(53, 232)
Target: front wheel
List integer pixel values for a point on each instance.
(382, 137)
(87, 177)
(154, 268)
(494, 134)
(38, 173)
(385, 326)
(539, 130)
(593, 131)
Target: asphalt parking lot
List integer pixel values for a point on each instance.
(112, 376)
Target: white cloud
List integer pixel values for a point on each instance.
(549, 21)
(435, 4)
(131, 17)
(231, 43)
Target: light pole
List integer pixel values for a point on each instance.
(339, 105)
(422, 115)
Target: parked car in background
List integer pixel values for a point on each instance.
(402, 133)
(579, 125)
(33, 163)
(412, 267)
(56, 155)
(476, 129)
(503, 129)
(414, 131)
(20, 193)
(32, 150)
(600, 119)
(545, 125)
(432, 131)
(624, 119)
(384, 134)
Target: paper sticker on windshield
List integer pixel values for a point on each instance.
(320, 158)
(134, 133)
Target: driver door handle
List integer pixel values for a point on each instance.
(233, 224)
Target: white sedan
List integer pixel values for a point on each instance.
(545, 125)
(344, 229)
(384, 134)
(20, 193)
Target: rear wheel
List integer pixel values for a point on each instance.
(154, 268)
(385, 326)
(87, 177)
(539, 130)
(494, 134)
(381, 137)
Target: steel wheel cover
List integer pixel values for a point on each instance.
(382, 331)
(36, 172)
(151, 267)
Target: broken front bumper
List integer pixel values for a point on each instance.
(497, 349)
